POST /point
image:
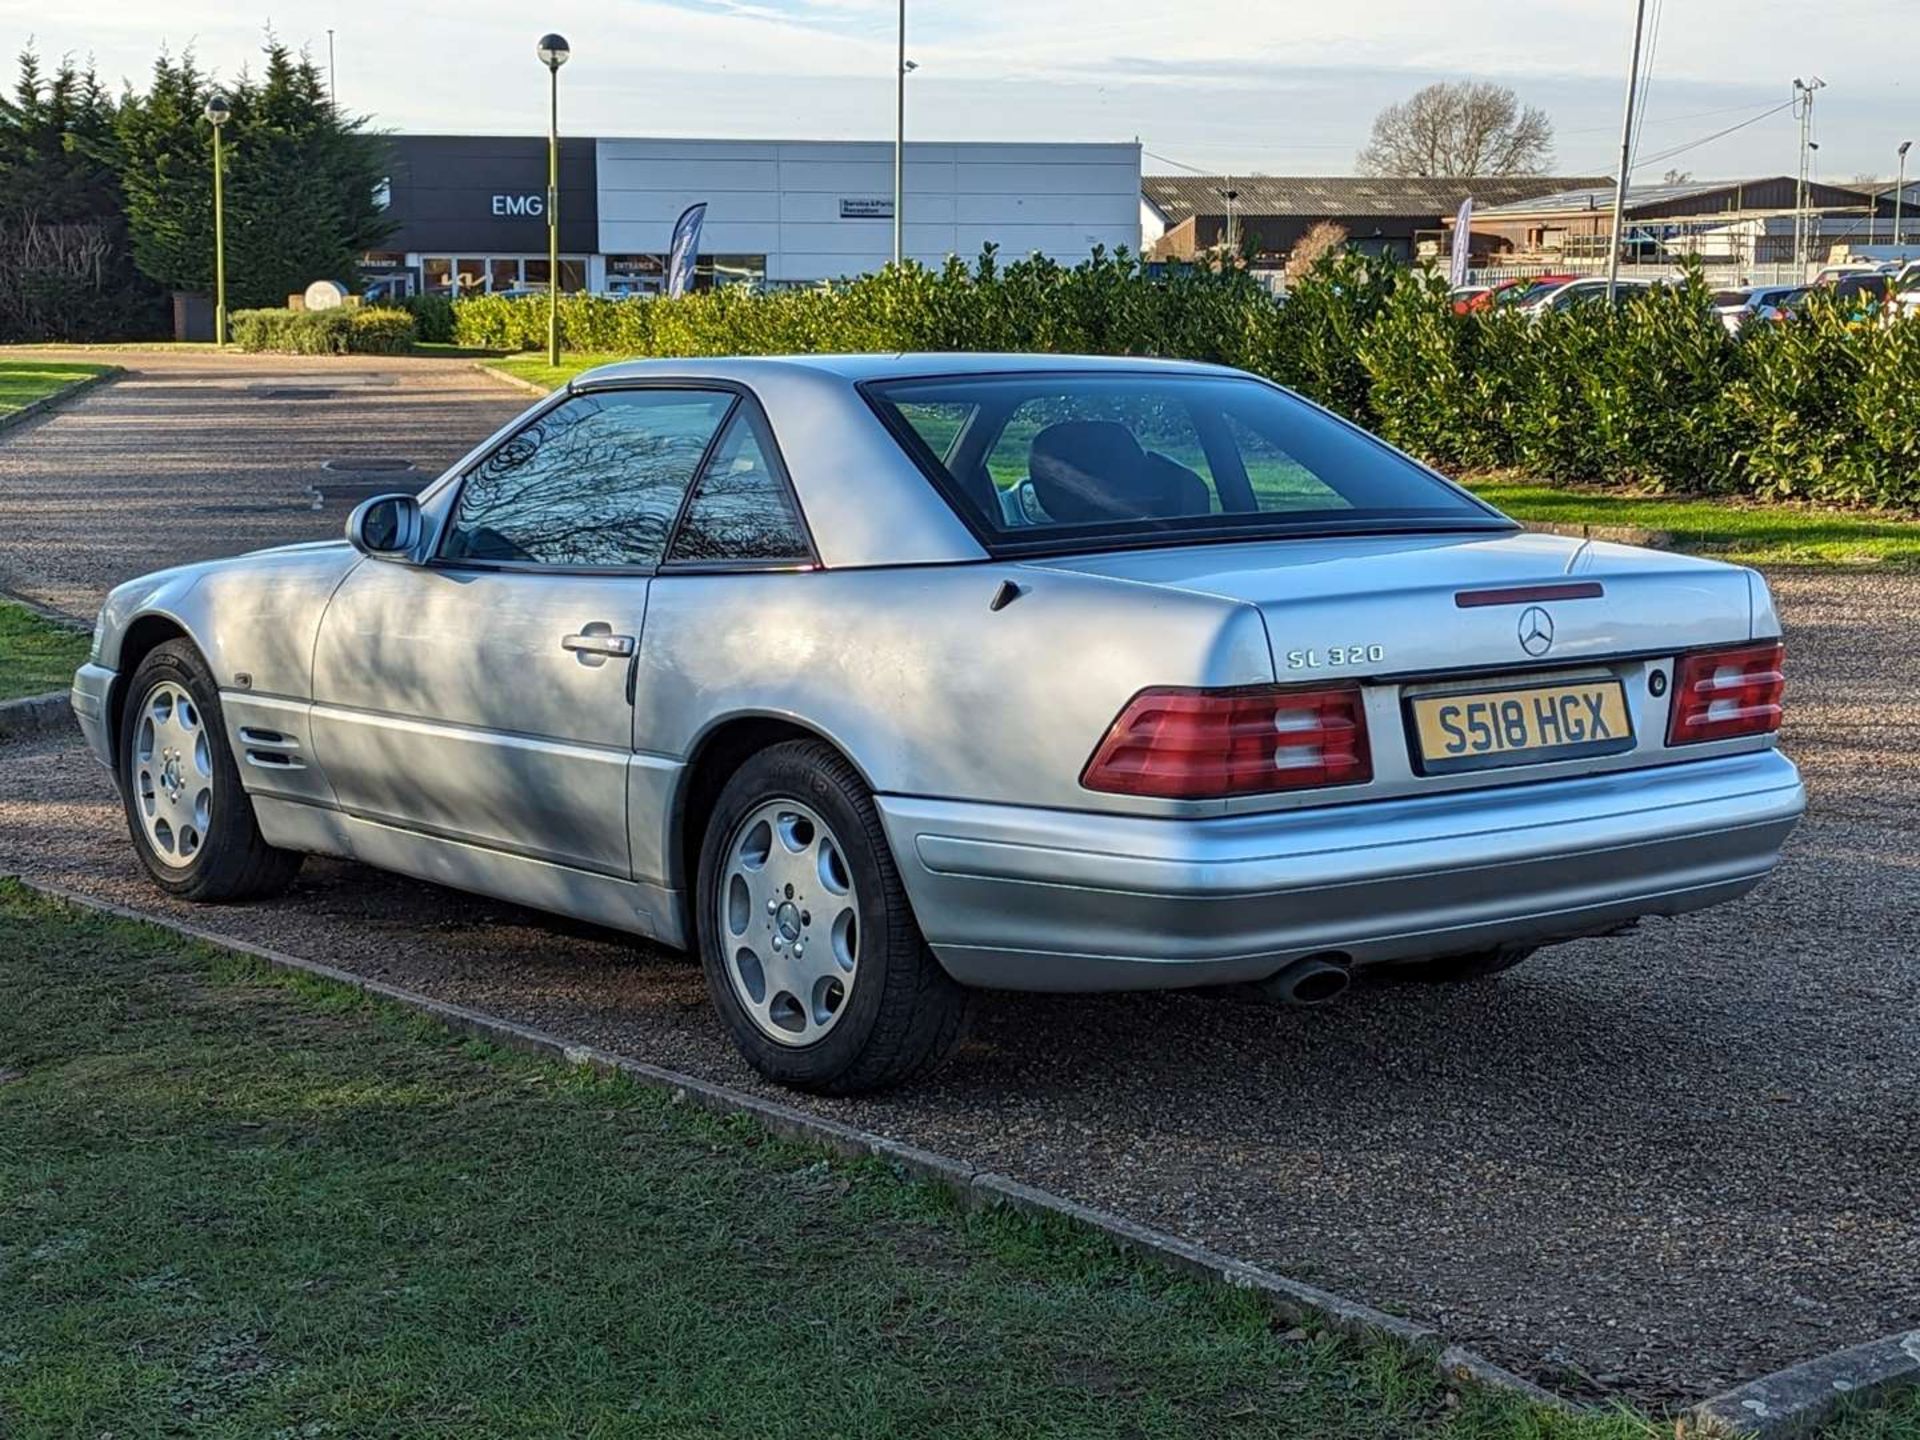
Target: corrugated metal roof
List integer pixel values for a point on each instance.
(1644, 197)
(1178, 196)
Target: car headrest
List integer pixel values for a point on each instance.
(1086, 471)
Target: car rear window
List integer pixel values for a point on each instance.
(1057, 461)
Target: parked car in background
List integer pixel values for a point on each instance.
(1737, 306)
(1588, 290)
(1852, 270)
(1506, 292)
(876, 678)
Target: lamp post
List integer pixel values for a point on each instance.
(1230, 194)
(218, 112)
(1900, 189)
(553, 52)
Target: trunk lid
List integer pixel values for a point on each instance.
(1360, 607)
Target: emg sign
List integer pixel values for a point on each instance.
(508, 207)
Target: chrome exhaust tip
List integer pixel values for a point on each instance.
(1310, 980)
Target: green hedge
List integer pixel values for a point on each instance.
(1655, 392)
(432, 316)
(380, 331)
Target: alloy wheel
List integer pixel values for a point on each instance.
(173, 774)
(788, 919)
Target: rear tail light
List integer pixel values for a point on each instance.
(1206, 744)
(1719, 694)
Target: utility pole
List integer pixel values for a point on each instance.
(333, 89)
(1626, 154)
(1802, 222)
(901, 66)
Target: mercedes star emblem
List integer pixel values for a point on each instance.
(1536, 630)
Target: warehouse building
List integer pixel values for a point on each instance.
(1744, 222)
(1185, 216)
(469, 212)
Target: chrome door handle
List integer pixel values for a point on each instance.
(597, 642)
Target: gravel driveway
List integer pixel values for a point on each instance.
(1648, 1166)
(192, 454)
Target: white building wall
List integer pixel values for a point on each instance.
(782, 199)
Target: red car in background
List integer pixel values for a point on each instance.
(1506, 292)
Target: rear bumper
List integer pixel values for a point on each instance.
(1029, 899)
(92, 693)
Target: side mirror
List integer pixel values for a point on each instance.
(387, 527)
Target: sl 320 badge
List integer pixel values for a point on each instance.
(1336, 655)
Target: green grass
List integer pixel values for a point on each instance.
(241, 1204)
(36, 655)
(1744, 530)
(24, 381)
(532, 366)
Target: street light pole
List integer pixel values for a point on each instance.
(900, 69)
(1626, 154)
(553, 52)
(1900, 189)
(218, 112)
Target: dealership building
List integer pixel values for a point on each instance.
(469, 212)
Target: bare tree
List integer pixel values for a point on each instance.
(1466, 127)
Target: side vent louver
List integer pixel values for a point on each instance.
(270, 750)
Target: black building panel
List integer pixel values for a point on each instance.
(486, 195)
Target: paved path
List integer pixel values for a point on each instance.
(192, 454)
(1649, 1166)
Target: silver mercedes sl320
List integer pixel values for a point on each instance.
(878, 679)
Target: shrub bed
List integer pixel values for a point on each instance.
(1654, 392)
(379, 331)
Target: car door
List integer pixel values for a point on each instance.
(485, 694)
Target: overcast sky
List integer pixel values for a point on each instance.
(1230, 85)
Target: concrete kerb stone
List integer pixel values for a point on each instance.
(486, 368)
(35, 714)
(1290, 1300)
(34, 409)
(1802, 1398)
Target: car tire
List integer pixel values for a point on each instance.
(192, 823)
(794, 856)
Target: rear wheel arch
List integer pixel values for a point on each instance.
(719, 752)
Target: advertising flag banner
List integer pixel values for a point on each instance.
(1462, 241)
(685, 249)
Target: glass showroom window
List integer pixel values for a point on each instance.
(711, 272)
(492, 274)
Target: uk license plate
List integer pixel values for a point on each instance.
(1478, 730)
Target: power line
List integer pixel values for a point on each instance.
(1718, 134)
(1646, 85)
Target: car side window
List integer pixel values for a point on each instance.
(596, 481)
(741, 508)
